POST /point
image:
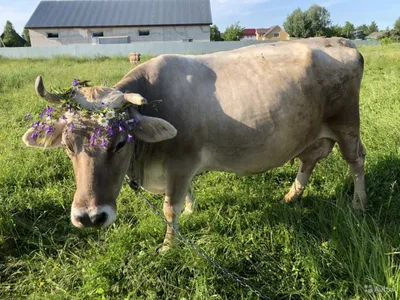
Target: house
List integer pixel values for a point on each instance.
(67, 22)
(358, 35)
(262, 34)
(249, 34)
(375, 35)
(272, 33)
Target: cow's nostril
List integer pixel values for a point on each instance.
(99, 219)
(84, 220)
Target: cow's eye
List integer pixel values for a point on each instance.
(120, 145)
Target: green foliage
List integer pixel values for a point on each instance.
(26, 37)
(393, 35)
(297, 25)
(233, 32)
(319, 20)
(397, 24)
(364, 28)
(10, 37)
(335, 31)
(215, 34)
(313, 22)
(314, 249)
(386, 41)
(373, 27)
(348, 29)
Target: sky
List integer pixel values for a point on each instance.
(251, 13)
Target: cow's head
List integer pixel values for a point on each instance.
(100, 159)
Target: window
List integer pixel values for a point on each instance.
(144, 32)
(276, 34)
(98, 34)
(187, 40)
(52, 35)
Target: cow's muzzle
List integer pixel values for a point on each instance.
(93, 216)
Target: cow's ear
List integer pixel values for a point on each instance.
(153, 130)
(43, 140)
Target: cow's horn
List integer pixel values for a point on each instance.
(136, 99)
(41, 91)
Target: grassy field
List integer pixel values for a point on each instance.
(314, 249)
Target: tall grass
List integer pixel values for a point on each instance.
(317, 248)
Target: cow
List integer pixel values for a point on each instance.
(243, 111)
(134, 58)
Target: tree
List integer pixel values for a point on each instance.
(335, 31)
(297, 24)
(364, 28)
(318, 19)
(233, 32)
(10, 37)
(348, 30)
(373, 27)
(26, 37)
(215, 34)
(397, 24)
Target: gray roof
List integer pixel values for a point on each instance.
(119, 13)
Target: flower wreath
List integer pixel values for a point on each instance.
(109, 120)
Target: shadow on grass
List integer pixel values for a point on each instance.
(44, 228)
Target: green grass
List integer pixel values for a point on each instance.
(314, 249)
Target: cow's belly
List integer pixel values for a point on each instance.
(275, 152)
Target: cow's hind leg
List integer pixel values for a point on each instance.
(308, 159)
(353, 152)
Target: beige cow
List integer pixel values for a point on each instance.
(243, 111)
(134, 58)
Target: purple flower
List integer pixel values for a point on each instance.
(63, 117)
(75, 82)
(35, 125)
(103, 143)
(50, 110)
(110, 130)
(44, 112)
(49, 130)
(130, 138)
(34, 136)
(71, 127)
(28, 116)
(121, 129)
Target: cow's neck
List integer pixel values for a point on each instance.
(133, 82)
(144, 159)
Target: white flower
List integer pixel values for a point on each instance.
(102, 121)
(110, 114)
(96, 117)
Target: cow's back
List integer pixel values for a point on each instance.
(264, 101)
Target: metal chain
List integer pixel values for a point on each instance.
(200, 251)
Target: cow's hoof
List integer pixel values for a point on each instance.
(290, 197)
(163, 249)
(187, 212)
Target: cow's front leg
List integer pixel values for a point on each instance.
(177, 187)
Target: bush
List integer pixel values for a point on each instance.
(386, 41)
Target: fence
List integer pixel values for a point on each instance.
(148, 48)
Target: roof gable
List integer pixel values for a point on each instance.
(119, 13)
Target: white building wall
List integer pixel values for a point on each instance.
(248, 38)
(76, 36)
